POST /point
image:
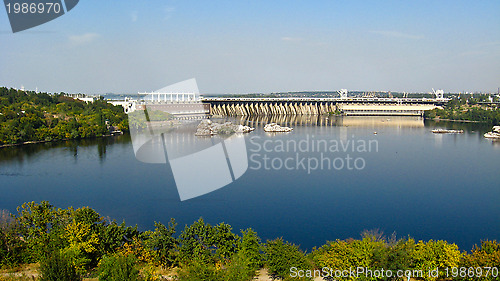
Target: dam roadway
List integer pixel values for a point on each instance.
(316, 106)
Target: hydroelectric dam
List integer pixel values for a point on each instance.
(187, 105)
(317, 106)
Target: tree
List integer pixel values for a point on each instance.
(207, 244)
(162, 240)
(250, 249)
(12, 248)
(487, 255)
(282, 256)
(435, 254)
(82, 243)
(40, 225)
(115, 236)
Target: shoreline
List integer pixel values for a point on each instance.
(55, 140)
(454, 120)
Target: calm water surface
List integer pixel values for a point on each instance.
(414, 183)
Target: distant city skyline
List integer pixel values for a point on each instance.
(258, 47)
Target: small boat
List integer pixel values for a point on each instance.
(446, 131)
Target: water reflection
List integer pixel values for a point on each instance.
(183, 137)
(340, 121)
(468, 127)
(20, 154)
(495, 144)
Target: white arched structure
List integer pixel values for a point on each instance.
(182, 92)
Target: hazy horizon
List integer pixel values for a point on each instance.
(127, 47)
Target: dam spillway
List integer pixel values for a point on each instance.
(249, 108)
(319, 106)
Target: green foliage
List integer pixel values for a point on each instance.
(435, 254)
(373, 252)
(250, 249)
(204, 243)
(456, 110)
(114, 236)
(198, 270)
(235, 270)
(398, 256)
(82, 244)
(118, 267)
(82, 235)
(30, 116)
(163, 242)
(69, 243)
(58, 267)
(41, 226)
(241, 267)
(346, 254)
(158, 115)
(139, 118)
(282, 256)
(488, 255)
(11, 246)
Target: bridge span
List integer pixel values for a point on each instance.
(317, 106)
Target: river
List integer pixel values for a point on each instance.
(330, 178)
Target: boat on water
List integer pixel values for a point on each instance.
(446, 131)
(494, 134)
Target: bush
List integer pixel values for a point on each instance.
(240, 268)
(347, 254)
(435, 254)
(282, 256)
(486, 256)
(163, 243)
(12, 248)
(41, 225)
(400, 256)
(236, 269)
(199, 271)
(58, 267)
(207, 244)
(118, 267)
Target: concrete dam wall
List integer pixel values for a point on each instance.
(254, 108)
(370, 107)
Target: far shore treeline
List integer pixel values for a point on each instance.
(73, 243)
(467, 109)
(26, 116)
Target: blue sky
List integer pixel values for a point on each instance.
(258, 46)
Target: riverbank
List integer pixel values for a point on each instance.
(27, 117)
(455, 120)
(54, 141)
(465, 114)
